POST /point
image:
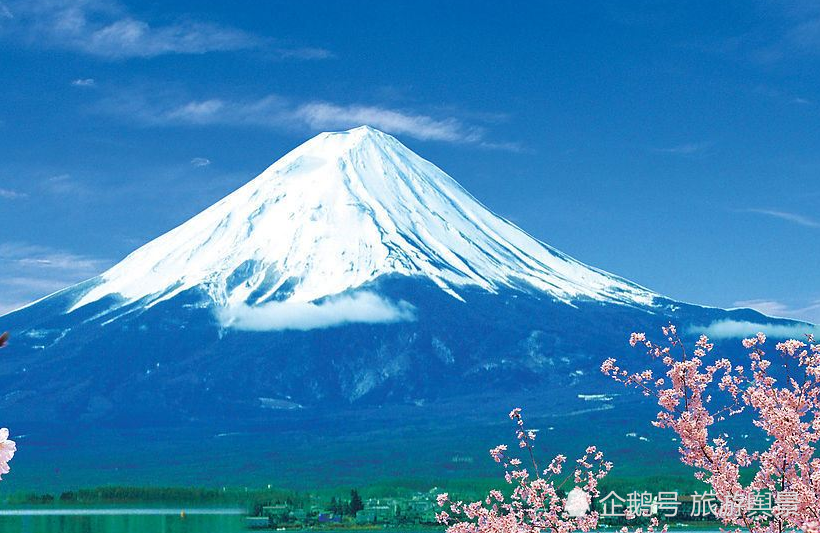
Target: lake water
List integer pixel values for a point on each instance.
(151, 521)
(123, 521)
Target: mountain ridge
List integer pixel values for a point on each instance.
(282, 303)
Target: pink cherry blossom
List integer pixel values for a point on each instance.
(785, 405)
(7, 446)
(535, 504)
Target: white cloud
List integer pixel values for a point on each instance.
(806, 34)
(200, 161)
(83, 82)
(798, 31)
(324, 115)
(514, 147)
(685, 149)
(7, 306)
(809, 312)
(65, 184)
(203, 112)
(785, 215)
(29, 272)
(767, 307)
(360, 308)
(276, 112)
(35, 256)
(135, 38)
(10, 194)
(305, 53)
(736, 329)
(106, 29)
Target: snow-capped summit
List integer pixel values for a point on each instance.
(343, 209)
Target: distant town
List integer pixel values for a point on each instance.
(413, 510)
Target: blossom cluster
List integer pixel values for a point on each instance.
(784, 402)
(534, 500)
(7, 446)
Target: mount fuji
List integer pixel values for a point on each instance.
(351, 276)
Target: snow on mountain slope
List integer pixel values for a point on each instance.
(340, 210)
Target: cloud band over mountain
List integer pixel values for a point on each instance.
(358, 308)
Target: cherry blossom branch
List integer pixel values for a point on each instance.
(789, 414)
(534, 504)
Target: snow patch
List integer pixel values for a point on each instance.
(596, 397)
(276, 403)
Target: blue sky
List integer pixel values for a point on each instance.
(676, 145)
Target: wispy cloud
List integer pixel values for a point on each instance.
(31, 255)
(84, 82)
(277, 112)
(514, 147)
(325, 115)
(358, 308)
(330, 116)
(65, 184)
(305, 53)
(798, 31)
(809, 312)
(200, 161)
(28, 272)
(686, 148)
(805, 35)
(781, 95)
(213, 111)
(735, 329)
(10, 194)
(108, 30)
(785, 215)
